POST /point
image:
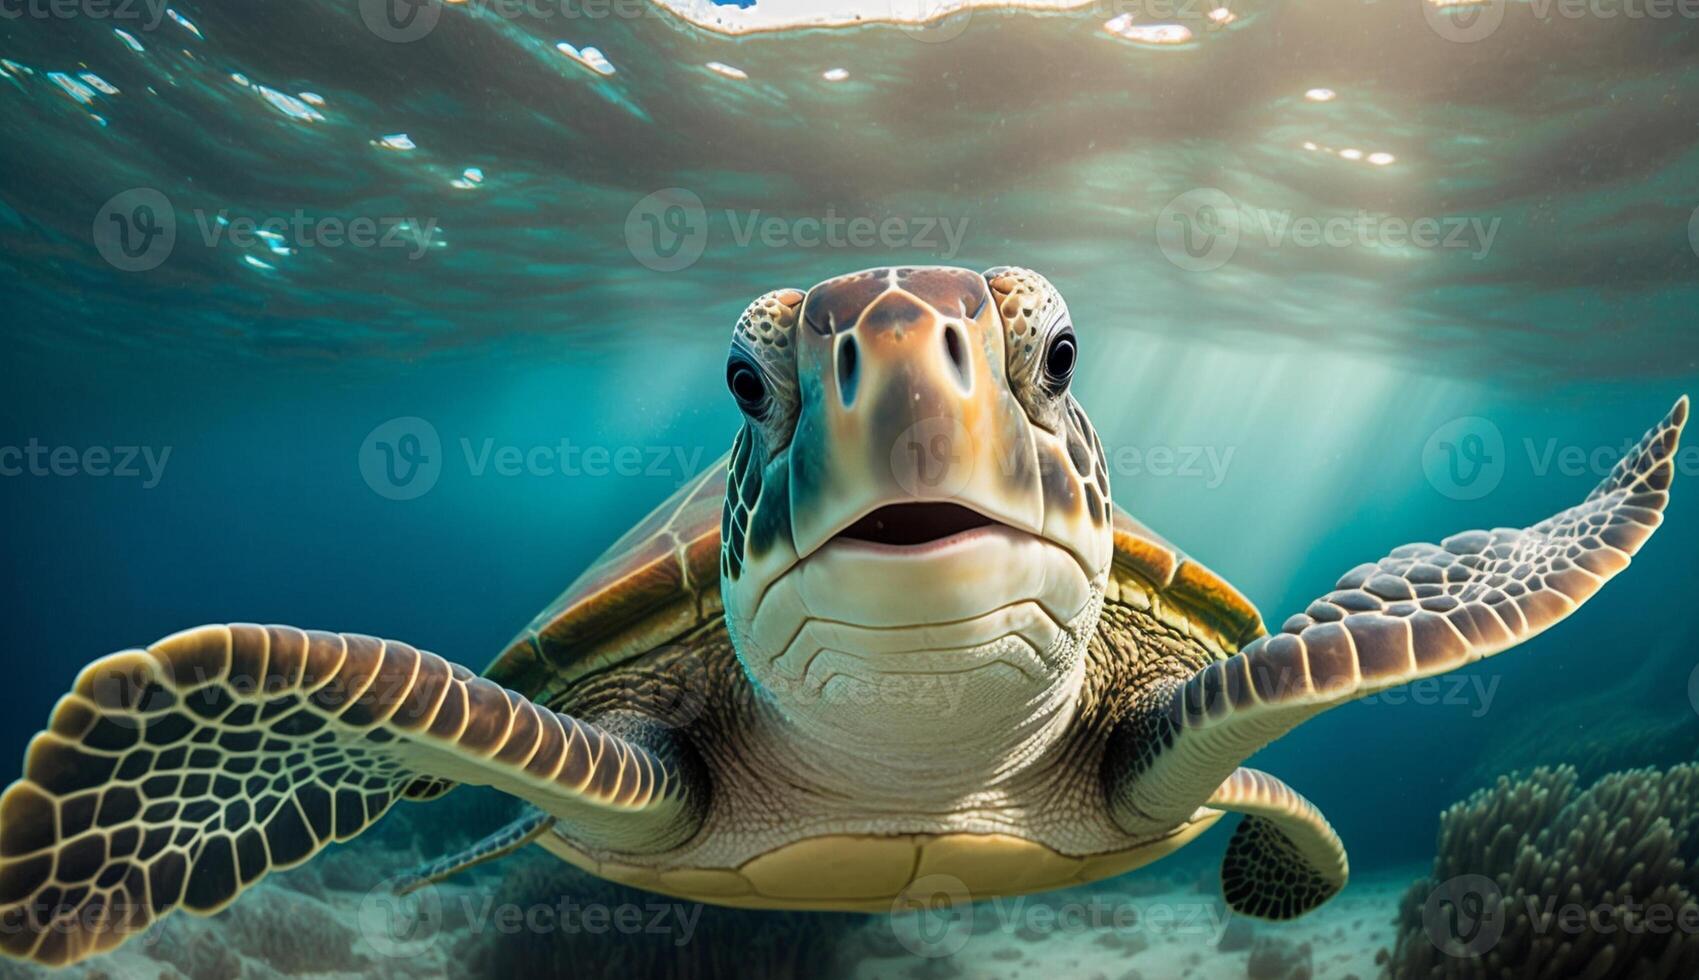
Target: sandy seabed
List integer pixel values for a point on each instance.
(333, 921)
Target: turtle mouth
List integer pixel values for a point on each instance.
(914, 525)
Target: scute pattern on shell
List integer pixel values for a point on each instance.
(1214, 611)
(659, 580)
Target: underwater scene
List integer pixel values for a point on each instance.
(1002, 489)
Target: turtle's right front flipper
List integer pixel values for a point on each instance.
(183, 773)
(1423, 610)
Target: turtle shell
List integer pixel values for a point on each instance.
(661, 581)
(1146, 562)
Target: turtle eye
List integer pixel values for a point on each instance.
(1059, 361)
(747, 387)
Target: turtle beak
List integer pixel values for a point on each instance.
(908, 432)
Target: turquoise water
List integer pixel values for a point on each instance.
(1306, 251)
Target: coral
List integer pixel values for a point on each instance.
(639, 934)
(1550, 881)
(271, 931)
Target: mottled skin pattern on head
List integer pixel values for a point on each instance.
(765, 339)
(1032, 312)
(783, 451)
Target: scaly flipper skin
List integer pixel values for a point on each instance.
(1284, 859)
(181, 774)
(1423, 610)
(529, 826)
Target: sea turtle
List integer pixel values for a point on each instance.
(898, 638)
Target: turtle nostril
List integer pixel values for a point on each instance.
(847, 365)
(957, 353)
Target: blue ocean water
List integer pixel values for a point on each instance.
(1345, 277)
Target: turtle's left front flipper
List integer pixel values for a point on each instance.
(181, 774)
(1425, 609)
(1284, 859)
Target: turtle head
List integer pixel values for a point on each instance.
(914, 494)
